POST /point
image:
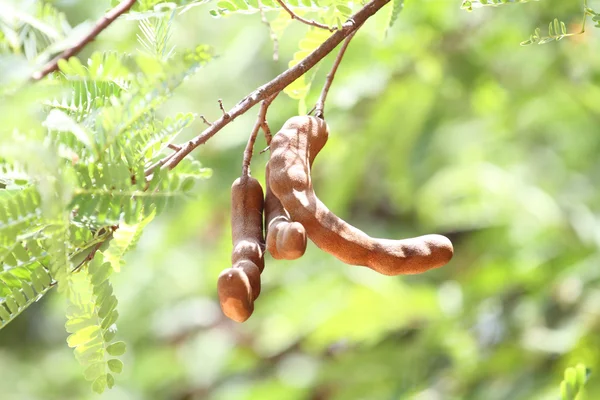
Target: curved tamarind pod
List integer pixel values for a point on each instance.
(286, 240)
(292, 151)
(235, 294)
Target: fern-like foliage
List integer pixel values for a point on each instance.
(469, 5)
(328, 12)
(557, 30)
(155, 36)
(91, 316)
(36, 29)
(23, 278)
(19, 213)
(20, 289)
(156, 8)
(69, 214)
(397, 7)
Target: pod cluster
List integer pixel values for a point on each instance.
(293, 212)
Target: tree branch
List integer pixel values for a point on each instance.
(260, 122)
(329, 79)
(293, 15)
(101, 24)
(276, 85)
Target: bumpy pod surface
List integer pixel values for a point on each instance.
(286, 239)
(239, 286)
(292, 151)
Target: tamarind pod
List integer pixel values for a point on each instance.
(247, 204)
(292, 151)
(239, 285)
(284, 239)
(235, 294)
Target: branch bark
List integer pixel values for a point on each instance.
(101, 25)
(276, 85)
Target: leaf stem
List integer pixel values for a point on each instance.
(330, 76)
(314, 23)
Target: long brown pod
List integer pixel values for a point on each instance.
(285, 239)
(292, 151)
(239, 286)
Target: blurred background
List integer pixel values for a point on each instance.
(444, 124)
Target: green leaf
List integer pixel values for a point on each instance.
(109, 334)
(110, 319)
(99, 385)
(76, 324)
(95, 370)
(19, 297)
(4, 314)
(115, 365)
(11, 304)
(110, 381)
(83, 336)
(116, 349)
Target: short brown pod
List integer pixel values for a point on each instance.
(291, 241)
(235, 294)
(285, 239)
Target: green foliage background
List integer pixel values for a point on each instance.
(443, 124)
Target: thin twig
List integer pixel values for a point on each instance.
(272, 33)
(260, 120)
(329, 79)
(87, 259)
(174, 146)
(267, 132)
(314, 23)
(225, 115)
(101, 24)
(275, 85)
(203, 118)
(265, 125)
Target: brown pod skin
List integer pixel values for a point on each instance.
(235, 293)
(253, 274)
(247, 203)
(239, 286)
(292, 151)
(291, 240)
(249, 250)
(286, 240)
